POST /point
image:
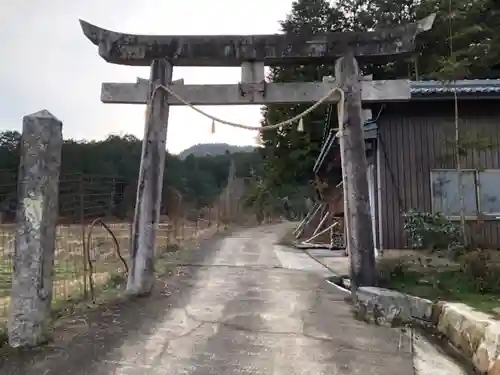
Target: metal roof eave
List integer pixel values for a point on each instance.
(468, 88)
(370, 132)
(476, 89)
(439, 96)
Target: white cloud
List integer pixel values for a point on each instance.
(47, 63)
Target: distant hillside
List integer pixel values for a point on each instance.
(214, 149)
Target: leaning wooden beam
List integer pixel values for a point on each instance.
(330, 227)
(301, 224)
(307, 220)
(231, 50)
(275, 93)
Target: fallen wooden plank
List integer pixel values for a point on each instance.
(275, 93)
(307, 245)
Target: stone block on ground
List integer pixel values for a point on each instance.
(475, 334)
(391, 308)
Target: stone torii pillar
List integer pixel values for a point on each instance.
(251, 53)
(150, 183)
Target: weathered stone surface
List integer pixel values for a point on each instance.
(382, 306)
(463, 326)
(475, 334)
(231, 50)
(481, 360)
(495, 368)
(389, 307)
(36, 224)
(437, 309)
(150, 184)
(487, 356)
(421, 308)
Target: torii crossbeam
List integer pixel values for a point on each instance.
(272, 50)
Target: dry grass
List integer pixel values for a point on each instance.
(70, 269)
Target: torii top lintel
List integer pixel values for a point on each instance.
(232, 50)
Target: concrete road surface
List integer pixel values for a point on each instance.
(252, 310)
(244, 305)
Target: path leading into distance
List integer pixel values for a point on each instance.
(259, 308)
(242, 305)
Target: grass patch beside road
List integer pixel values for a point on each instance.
(110, 291)
(473, 280)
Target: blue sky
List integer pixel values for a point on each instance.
(47, 63)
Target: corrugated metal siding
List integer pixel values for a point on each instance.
(417, 137)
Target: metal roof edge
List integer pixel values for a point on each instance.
(471, 86)
(370, 132)
(324, 150)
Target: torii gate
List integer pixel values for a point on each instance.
(252, 53)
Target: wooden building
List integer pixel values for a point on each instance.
(412, 164)
(325, 223)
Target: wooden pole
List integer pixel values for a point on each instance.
(83, 234)
(218, 215)
(230, 191)
(150, 184)
(359, 239)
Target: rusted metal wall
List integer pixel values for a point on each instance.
(415, 138)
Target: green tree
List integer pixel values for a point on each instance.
(288, 154)
(112, 166)
(476, 52)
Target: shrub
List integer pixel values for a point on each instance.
(483, 270)
(432, 231)
(390, 269)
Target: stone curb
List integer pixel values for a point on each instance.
(475, 335)
(389, 307)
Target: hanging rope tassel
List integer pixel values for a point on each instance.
(258, 139)
(300, 127)
(213, 127)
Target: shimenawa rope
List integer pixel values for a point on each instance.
(300, 116)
